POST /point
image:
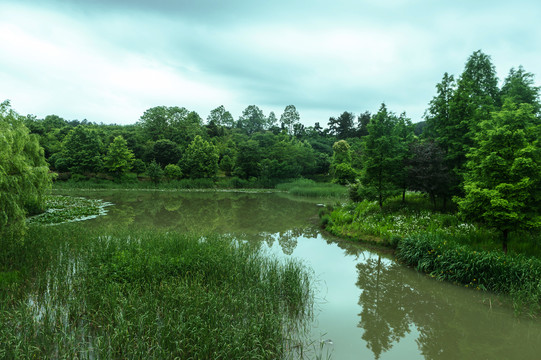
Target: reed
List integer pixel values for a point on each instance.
(152, 295)
(310, 188)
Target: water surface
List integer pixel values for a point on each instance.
(367, 305)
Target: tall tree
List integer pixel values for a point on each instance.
(252, 120)
(476, 96)
(200, 159)
(81, 150)
(519, 87)
(24, 177)
(119, 158)
(382, 160)
(342, 126)
(289, 118)
(403, 131)
(221, 117)
(503, 182)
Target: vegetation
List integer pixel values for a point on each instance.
(310, 188)
(148, 295)
(24, 177)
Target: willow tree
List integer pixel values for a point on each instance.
(24, 175)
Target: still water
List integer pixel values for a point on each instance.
(367, 305)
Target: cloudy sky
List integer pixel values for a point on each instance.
(110, 60)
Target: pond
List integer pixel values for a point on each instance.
(367, 305)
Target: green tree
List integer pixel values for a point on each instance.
(249, 154)
(221, 117)
(173, 171)
(24, 176)
(519, 87)
(503, 182)
(475, 97)
(166, 152)
(289, 118)
(342, 126)
(200, 159)
(81, 150)
(155, 172)
(382, 158)
(252, 120)
(119, 159)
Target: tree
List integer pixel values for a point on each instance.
(81, 150)
(200, 159)
(166, 152)
(403, 130)
(519, 87)
(342, 126)
(24, 176)
(248, 158)
(382, 158)
(362, 122)
(475, 97)
(119, 159)
(503, 182)
(155, 172)
(427, 171)
(173, 171)
(289, 118)
(341, 169)
(252, 120)
(221, 117)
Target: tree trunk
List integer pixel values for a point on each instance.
(504, 244)
(404, 195)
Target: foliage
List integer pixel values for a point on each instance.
(502, 187)
(155, 172)
(152, 295)
(200, 159)
(119, 158)
(221, 117)
(252, 120)
(173, 172)
(81, 150)
(427, 171)
(24, 176)
(515, 275)
(289, 118)
(383, 157)
(310, 188)
(166, 152)
(344, 174)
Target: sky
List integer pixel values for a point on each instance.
(108, 61)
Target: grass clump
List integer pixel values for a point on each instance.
(310, 188)
(516, 275)
(152, 295)
(61, 209)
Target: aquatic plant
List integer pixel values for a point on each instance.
(151, 295)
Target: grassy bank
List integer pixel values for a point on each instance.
(445, 247)
(310, 188)
(89, 294)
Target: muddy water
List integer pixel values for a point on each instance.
(367, 306)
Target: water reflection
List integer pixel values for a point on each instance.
(258, 217)
(397, 302)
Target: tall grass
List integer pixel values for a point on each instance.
(516, 275)
(310, 188)
(149, 295)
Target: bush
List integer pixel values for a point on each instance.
(173, 172)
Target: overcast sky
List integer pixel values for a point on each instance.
(110, 60)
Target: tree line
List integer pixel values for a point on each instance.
(478, 144)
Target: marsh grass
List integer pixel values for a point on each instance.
(151, 295)
(310, 188)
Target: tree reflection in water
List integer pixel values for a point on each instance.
(393, 304)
